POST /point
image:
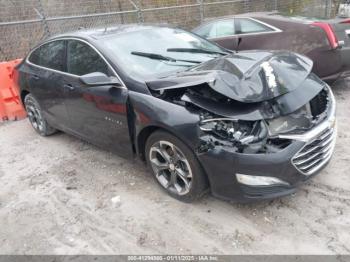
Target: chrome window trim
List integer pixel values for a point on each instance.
(274, 29)
(66, 73)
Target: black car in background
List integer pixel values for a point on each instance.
(248, 125)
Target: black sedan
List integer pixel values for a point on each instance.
(248, 125)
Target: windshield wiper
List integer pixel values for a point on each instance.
(196, 50)
(165, 58)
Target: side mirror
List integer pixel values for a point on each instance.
(99, 79)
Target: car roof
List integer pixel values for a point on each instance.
(248, 15)
(102, 32)
(274, 15)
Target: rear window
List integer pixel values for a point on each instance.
(205, 31)
(50, 55)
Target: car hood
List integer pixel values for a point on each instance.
(249, 77)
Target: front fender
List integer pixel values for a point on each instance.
(151, 111)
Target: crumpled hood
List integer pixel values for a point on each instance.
(250, 76)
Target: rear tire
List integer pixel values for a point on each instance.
(175, 167)
(36, 117)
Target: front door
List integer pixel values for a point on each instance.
(223, 33)
(97, 113)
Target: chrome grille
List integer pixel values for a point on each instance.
(316, 153)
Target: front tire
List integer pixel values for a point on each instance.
(36, 117)
(175, 167)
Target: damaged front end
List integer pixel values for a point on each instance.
(246, 100)
(257, 111)
(263, 136)
(239, 136)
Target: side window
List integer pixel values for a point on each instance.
(250, 26)
(50, 55)
(224, 28)
(205, 31)
(35, 57)
(82, 59)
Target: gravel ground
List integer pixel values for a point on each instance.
(60, 195)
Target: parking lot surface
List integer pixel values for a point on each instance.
(60, 195)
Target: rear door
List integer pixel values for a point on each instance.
(342, 31)
(97, 113)
(45, 79)
(255, 34)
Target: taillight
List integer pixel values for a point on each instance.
(328, 29)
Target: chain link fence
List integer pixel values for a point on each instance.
(23, 23)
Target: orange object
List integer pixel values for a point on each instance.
(11, 107)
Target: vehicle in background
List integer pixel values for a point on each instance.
(249, 125)
(344, 9)
(327, 43)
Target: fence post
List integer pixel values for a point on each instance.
(246, 6)
(140, 18)
(275, 5)
(41, 14)
(328, 8)
(201, 10)
(139, 13)
(121, 9)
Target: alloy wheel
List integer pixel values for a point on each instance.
(171, 167)
(35, 117)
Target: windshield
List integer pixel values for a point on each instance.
(159, 50)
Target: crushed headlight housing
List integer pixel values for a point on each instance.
(245, 132)
(243, 136)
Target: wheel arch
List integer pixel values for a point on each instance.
(24, 93)
(145, 133)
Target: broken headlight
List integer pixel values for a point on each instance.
(245, 136)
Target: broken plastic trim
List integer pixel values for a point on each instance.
(244, 136)
(235, 130)
(329, 122)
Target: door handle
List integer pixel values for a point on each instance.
(36, 77)
(69, 86)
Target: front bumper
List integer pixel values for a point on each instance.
(307, 154)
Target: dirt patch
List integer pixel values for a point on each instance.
(60, 195)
